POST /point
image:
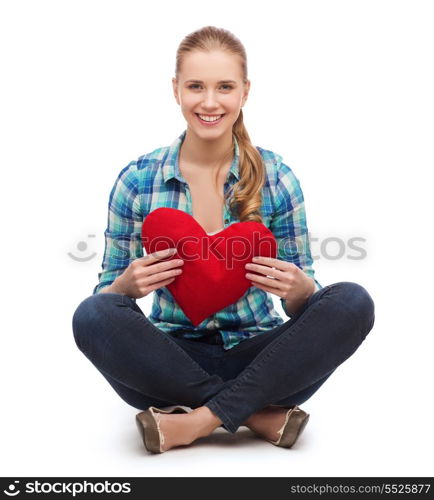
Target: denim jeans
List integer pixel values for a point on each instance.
(284, 366)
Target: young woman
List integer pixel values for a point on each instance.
(243, 365)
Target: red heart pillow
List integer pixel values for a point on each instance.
(214, 271)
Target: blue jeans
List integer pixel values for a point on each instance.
(284, 366)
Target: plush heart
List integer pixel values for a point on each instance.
(213, 275)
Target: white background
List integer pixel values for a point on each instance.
(343, 90)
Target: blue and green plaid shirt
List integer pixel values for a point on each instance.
(154, 180)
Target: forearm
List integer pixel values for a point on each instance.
(113, 288)
(293, 306)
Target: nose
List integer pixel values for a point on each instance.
(210, 100)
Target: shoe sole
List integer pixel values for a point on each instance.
(148, 427)
(293, 429)
(149, 432)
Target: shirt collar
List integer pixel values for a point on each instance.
(171, 164)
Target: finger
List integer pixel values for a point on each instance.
(158, 266)
(267, 271)
(269, 261)
(262, 280)
(159, 284)
(156, 256)
(154, 278)
(276, 291)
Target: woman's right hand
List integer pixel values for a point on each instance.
(147, 273)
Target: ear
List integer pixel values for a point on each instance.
(246, 92)
(175, 89)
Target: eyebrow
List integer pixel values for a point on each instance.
(221, 81)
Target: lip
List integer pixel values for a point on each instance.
(210, 124)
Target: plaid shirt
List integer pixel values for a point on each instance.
(154, 180)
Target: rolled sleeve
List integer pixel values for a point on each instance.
(289, 225)
(123, 241)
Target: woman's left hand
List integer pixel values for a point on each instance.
(284, 279)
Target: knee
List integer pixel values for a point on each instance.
(81, 318)
(86, 316)
(358, 300)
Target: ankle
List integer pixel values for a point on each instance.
(205, 421)
(257, 416)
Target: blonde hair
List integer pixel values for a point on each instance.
(246, 198)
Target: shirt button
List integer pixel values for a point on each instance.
(226, 221)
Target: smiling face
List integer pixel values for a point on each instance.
(210, 84)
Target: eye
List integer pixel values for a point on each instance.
(195, 85)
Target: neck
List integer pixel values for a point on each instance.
(206, 154)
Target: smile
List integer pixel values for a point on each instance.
(210, 120)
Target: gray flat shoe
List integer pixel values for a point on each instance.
(295, 422)
(148, 424)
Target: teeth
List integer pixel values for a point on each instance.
(209, 118)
